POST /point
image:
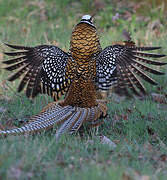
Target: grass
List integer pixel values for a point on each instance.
(137, 126)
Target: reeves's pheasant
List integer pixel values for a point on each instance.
(78, 75)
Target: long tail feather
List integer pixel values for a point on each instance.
(79, 122)
(43, 121)
(68, 124)
(70, 118)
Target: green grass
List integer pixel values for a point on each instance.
(139, 127)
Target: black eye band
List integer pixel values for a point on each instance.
(86, 20)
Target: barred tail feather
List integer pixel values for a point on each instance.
(70, 118)
(44, 121)
(68, 124)
(78, 123)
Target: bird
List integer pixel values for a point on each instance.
(78, 75)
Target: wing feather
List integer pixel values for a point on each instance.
(125, 66)
(43, 69)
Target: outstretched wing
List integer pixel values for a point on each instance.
(125, 65)
(43, 69)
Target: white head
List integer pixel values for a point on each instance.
(87, 19)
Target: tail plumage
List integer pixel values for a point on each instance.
(71, 118)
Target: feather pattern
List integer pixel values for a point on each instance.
(125, 64)
(70, 118)
(44, 65)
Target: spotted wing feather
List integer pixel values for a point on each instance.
(124, 66)
(43, 69)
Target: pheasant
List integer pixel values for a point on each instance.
(78, 75)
